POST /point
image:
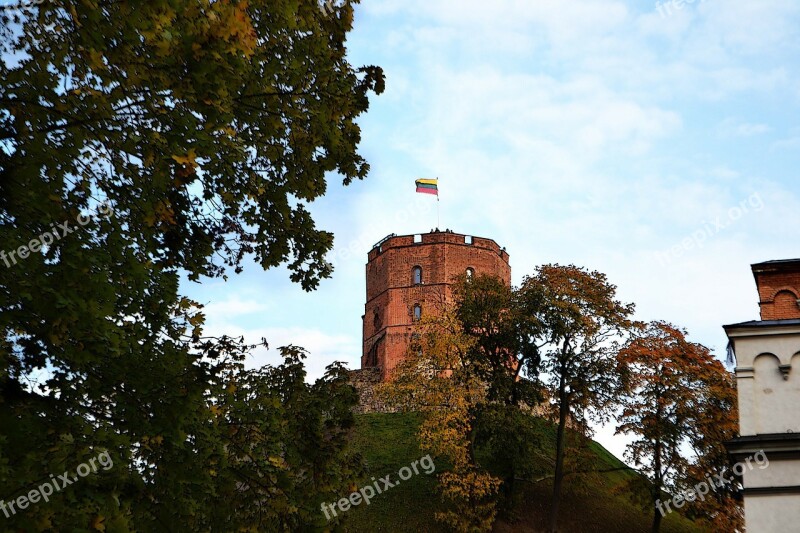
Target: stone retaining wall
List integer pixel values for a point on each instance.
(365, 381)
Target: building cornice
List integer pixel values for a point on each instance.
(760, 328)
(769, 491)
(775, 445)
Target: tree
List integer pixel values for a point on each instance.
(438, 379)
(286, 453)
(506, 328)
(677, 396)
(716, 421)
(504, 325)
(206, 128)
(581, 320)
(207, 125)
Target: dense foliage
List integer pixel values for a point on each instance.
(440, 380)
(564, 345)
(200, 130)
(504, 324)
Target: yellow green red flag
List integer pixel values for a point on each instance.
(428, 186)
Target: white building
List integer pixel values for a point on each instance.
(768, 380)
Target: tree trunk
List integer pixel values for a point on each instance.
(563, 412)
(656, 520)
(658, 482)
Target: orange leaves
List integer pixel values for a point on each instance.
(231, 23)
(678, 395)
(223, 21)
(162, 213)
(161, 32)
(473, 492)
(97, 523)
(96, 59)
(149, 443)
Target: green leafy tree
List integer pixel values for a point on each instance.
(510, 440)
(582, 321)
(206, 128)
(286, 445)
(506, 327)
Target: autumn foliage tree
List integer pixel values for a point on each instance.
(441, 381)
(717, 422)
(581, 323)
(207, 127)
(678, 397)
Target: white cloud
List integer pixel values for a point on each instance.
(322, 348)
(228, 318)
(736, 128)
(792, 143)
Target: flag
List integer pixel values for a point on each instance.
(427, 186)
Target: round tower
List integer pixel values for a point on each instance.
(411, 275)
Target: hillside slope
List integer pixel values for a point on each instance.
(592, 503)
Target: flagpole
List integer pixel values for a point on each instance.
(437, 203)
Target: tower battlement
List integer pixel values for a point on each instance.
(448, 237)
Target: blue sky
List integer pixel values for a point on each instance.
(662, 150)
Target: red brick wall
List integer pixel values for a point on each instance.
(391, 293)
(778, 289)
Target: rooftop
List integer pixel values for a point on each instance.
(776, 265)
(777, 261)
(764, 323)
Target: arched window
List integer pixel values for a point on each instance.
(416, 275)
(417, 312)
(470, 273)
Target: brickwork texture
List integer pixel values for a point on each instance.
(411, 275)
(778, 285)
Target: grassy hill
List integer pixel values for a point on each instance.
(591, 503)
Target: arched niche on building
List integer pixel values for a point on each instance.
(774, 393)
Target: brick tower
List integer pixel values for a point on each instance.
(767, 355)
(410, 275)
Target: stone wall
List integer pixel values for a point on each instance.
(365, 381)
